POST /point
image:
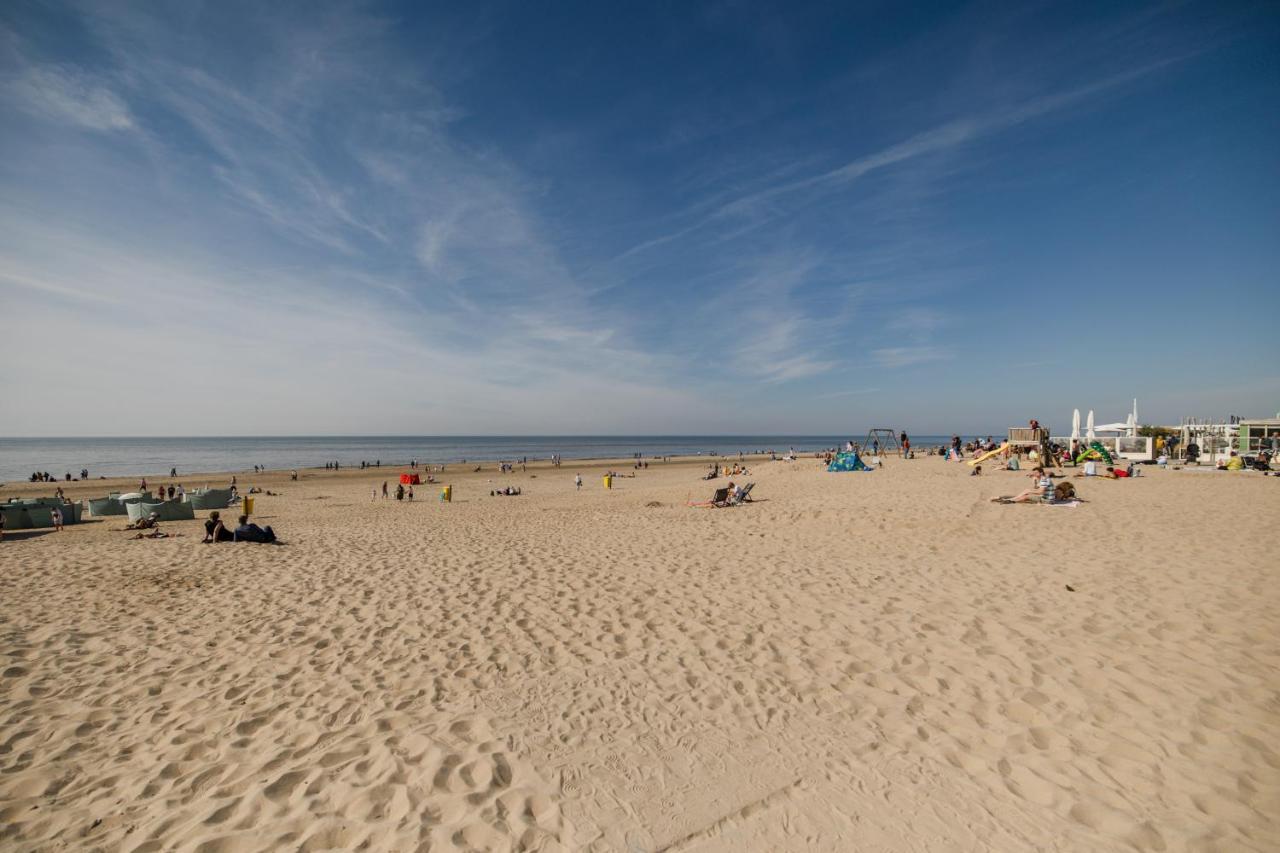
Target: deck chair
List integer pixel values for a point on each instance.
(720, 498)
(743, 496)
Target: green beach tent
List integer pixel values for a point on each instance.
(849, 461)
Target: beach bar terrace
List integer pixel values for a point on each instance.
(1256, 435)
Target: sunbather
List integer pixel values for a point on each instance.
(247, 532)
(144, 523)
(1042, 491)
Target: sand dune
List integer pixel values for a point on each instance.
(880, 661)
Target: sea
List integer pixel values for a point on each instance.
(137, 456)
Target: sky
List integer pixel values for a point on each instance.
(670, 218)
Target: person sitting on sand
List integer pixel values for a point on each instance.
(215, 530)
(147, 523)
(1234, 463)
(1041, 491)
(247, 532)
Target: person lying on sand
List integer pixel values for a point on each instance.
(148, 523)
(247, 532)
(1041, 491)
(155, 534)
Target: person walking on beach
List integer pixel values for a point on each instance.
(57, 519)
(577, 482)
(384, 490)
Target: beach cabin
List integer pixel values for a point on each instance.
(1257, 434)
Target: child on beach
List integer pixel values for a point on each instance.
(577, 482)
(57, 519)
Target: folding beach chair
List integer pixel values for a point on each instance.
(742, 496)
(719, 499)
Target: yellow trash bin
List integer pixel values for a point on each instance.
(247, 505)
(446, 494)
(608, 481)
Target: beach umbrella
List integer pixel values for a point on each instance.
(1075, 425)
(1089, 426)
(1131, 425)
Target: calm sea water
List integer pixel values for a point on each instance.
(108, 457)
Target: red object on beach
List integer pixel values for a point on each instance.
(410, 480)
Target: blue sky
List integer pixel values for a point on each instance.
(719, 217)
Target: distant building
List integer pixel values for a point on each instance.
(1257, 434)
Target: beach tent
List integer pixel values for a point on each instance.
(26, 515)
(848, 461)
(209, 498)
(410, 480)
(167, 511)
(105, 506)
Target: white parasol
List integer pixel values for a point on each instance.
(1075, 425)
(1089, 426)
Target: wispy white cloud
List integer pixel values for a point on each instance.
(764, 204)
(893, 357)
(848, 392)
(66, 95)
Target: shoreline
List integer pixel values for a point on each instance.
(137, 458)
(455, 472)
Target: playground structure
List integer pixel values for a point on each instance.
(1036, 438)
(1095, 450)
(881, 438)
(1004, 448)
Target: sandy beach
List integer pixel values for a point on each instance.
(882, 661)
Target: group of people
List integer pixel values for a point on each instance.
(215, 530)
(46, 477)
(1236, 462)
(400, 493)
(169, 492)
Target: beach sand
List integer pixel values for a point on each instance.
(881, 661)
